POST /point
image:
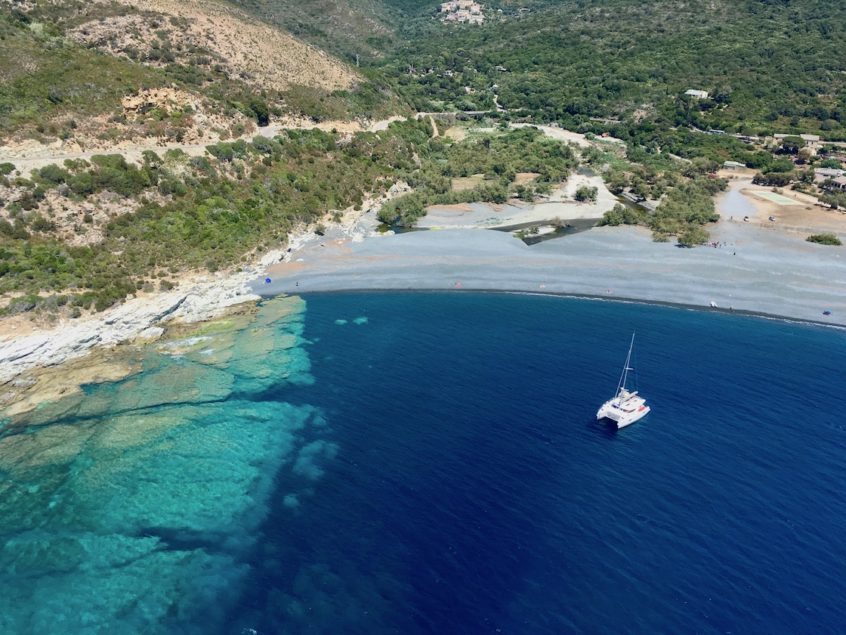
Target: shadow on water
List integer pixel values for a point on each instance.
(604, 429)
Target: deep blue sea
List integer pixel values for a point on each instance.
(474, 492)
(453, 478)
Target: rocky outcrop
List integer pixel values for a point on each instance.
(199, 300)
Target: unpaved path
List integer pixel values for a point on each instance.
(35, 156)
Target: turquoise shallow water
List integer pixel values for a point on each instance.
(132, 507)
(429, 463)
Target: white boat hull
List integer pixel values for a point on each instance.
(624, 410)
(626, 420)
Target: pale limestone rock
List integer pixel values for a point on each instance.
(125, 323)
(150, 334)
(272, 257)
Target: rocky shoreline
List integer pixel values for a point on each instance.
(145, 318)
(138, 318)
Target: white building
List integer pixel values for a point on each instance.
(838, 183)
(821, 175)
(698, 94)
(462, 11)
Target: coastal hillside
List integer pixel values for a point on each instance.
(622, 66)
(342, 26)
(144, 143)
(211, 36)
(102, 72)
(80, 236)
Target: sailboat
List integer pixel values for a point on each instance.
(626, 406)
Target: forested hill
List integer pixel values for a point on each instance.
(355, 30)
(766, 64)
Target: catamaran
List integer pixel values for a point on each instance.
(627, 406)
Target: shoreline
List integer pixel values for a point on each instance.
(747, 313)
(777, 276)
(756, 271)
(199, 298)
(343, 261)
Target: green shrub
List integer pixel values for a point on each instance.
(22, 305)
(82, 184)
(587, 193)
(621, 215)
(41, 224)
(775, 179)
(830, 163)
(53, 174)
(692, 235)
(825, 239)
(259, 110)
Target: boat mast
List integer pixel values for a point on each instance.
(626, 368)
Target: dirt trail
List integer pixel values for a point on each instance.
(35, 156)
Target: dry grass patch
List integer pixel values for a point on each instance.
(456, 133)
(463, 183)
(522, 178)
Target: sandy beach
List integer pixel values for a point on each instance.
(756, 268)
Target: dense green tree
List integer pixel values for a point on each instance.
(692, 235)
(586, 193)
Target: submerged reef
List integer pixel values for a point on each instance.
(130, 505)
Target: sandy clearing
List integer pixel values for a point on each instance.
(521, 178)
(559, 206)
(803, 217)
(463, 183)
(456, 133)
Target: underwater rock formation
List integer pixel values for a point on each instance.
(129, 506)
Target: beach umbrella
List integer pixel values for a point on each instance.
(267, 280)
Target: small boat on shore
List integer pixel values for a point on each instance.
(626, 407)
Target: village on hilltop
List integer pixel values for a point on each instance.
(462, 11)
